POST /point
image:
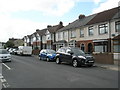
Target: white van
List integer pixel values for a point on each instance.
(24, 50)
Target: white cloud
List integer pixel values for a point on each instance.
(106, 5)
(55, 7)
(97, 1)
(17, 28)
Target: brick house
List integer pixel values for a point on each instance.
(70, 34)
(27, 40)
(91, 33)
(41, 38)
(101, 29)
(50, 35)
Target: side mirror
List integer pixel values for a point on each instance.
(70, 52)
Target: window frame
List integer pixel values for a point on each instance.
(105, 27)
(81, 35)
(117, 23)
(73, 33)
(89, 29)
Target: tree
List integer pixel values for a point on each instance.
(9, 44)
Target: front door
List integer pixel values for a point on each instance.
(90, 48)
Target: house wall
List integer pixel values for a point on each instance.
(25, 42)
(72, 38)
(1, 45)
(63, 36)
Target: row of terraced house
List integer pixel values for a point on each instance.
(99, 32)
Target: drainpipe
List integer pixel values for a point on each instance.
(109, 50)
(41, 42)
(68, 38)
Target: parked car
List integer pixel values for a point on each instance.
(24, 50)
(10, 50)
(47, 54)
(74, 56)
(5, 55)
(14, 51)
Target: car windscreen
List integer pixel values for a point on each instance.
(51, 52)
(4, 52)
(78, 52)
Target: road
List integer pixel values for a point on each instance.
(30, 72)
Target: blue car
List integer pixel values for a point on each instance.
(47, 54)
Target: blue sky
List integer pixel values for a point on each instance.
(23, 17)
(37, 16)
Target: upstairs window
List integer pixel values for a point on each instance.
(90, 31)
(117, 26)
(81, 33)
(73, 34)
(103, 29)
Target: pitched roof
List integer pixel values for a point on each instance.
(78, 23)
(41, 32)
(29, 36)
(117, 15)
(55, 28)
(103, 16)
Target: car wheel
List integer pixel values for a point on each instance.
(90, 65)
(58, 60)
(75, 63)
(39, 58)
(47, 59)
(3, 61)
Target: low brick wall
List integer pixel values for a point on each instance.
(104, 58)
(35, 52)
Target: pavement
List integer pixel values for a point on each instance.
(114, 67)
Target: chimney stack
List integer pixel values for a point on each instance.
(37, 30)
(81, 16)
(61, 23)
(48, 26)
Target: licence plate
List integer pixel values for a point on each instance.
(91, 61)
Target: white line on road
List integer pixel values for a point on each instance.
(6, 66)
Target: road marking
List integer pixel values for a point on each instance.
(4, 86)
(4, 82)
(6, 66)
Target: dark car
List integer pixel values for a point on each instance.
(47, 54)
(74, 56)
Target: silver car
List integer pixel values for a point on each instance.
(5, 55)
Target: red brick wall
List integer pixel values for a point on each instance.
(35, 52)
(86, 42)
(36, 43)
(49, 42)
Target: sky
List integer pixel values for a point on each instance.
(19, 18)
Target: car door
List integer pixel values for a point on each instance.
(43, 54)
(68, 56)
(63, 55)
(61, 52)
